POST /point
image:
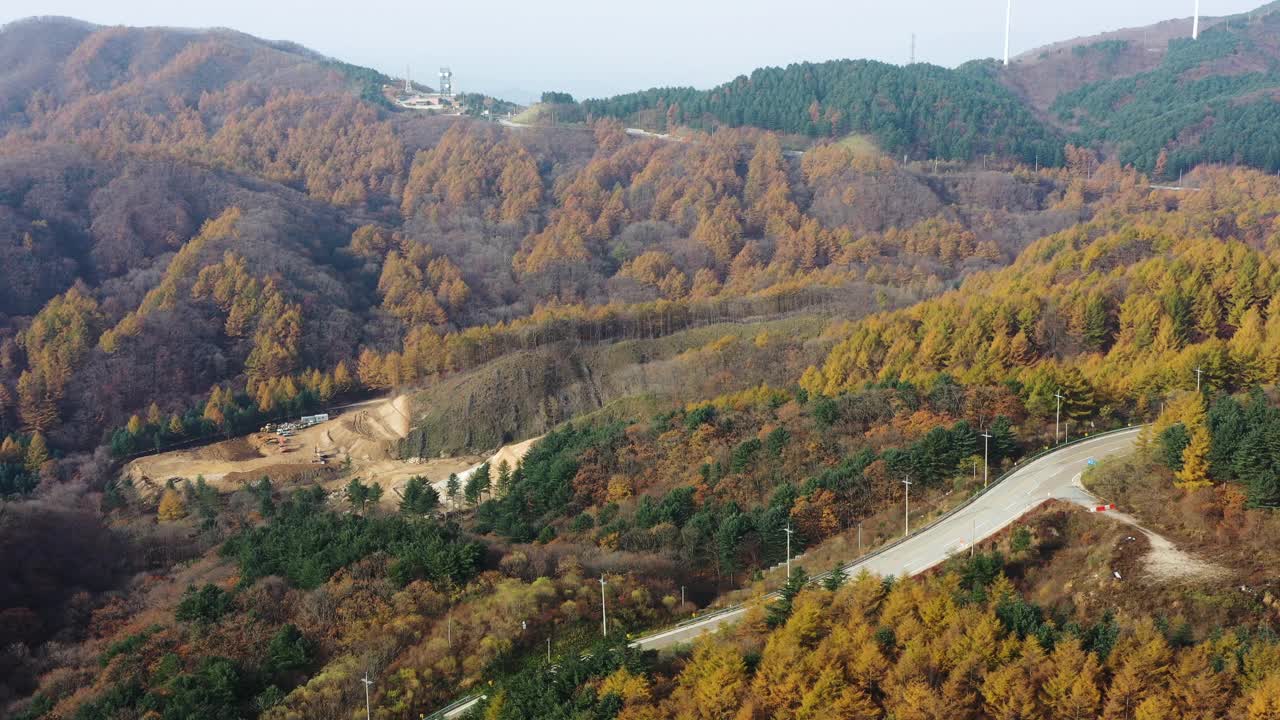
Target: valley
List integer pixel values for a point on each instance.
(841, 389)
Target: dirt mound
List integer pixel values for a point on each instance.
(286, 474)
(369, 433)
(513, 454)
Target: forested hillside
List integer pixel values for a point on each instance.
(1209, 100)
(924, 111)
(201, 232)
(239, 200)
(1117, 311)
(1150, 97)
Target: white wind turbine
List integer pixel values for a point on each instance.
(1008, 25)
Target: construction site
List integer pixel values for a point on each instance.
(317, 450)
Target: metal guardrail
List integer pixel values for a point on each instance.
(460, 702)
(1017, 467)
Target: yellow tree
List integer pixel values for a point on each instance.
(37, 453)
(712, 685)
(171, 506)
(1071, 691)
(1195, 461)
(1263, 701)
(1197, 690)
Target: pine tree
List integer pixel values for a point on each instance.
(10, 450)
(37, 453)
(781, 610)
(504, 477)
(1195, 461)
(171, 506)
(451, 489)
(1263, 701)
(1097, 323)
(1003, 444)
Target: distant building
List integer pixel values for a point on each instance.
(441, 101)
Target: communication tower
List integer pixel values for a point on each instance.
(446, 82)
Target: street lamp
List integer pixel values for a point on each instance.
(788, 531)
(604, 623)
(1198, 371)
(1057, 416)
(367, 683)
(986, 455)
(906, 516)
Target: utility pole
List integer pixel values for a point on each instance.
(1198, 371)
(367, 682)
(448, 627)
(604, 623)
(548, 649)
(906, 515)
(913, 48)
(1057, 416)
(788, 531)
(859, 539)
(681, 596)
(973, 533)
(986, 456)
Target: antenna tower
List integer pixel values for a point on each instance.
(446, 82)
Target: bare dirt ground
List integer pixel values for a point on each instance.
(365, 433)
(1164, 562)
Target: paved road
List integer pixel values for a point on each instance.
(1056, 475)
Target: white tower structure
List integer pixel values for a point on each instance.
(1195, 23)
(408, 86)
(446, 82)
(1008, 26)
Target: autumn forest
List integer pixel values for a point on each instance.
(722, 327)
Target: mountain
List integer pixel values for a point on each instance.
(1133, 94)
(919, 110)
(1142, 92)
(730, 350)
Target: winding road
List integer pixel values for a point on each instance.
(1055, 475)
(1052, 476)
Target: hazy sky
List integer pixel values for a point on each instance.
(595, 47)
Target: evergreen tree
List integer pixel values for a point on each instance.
(781, 610)
(1003, 444)
(37, 453)
(452, 488)
(1195, 461)
(419, 497)
(1171, 444)
(1097, 323)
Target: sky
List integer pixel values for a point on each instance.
(518, 48)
